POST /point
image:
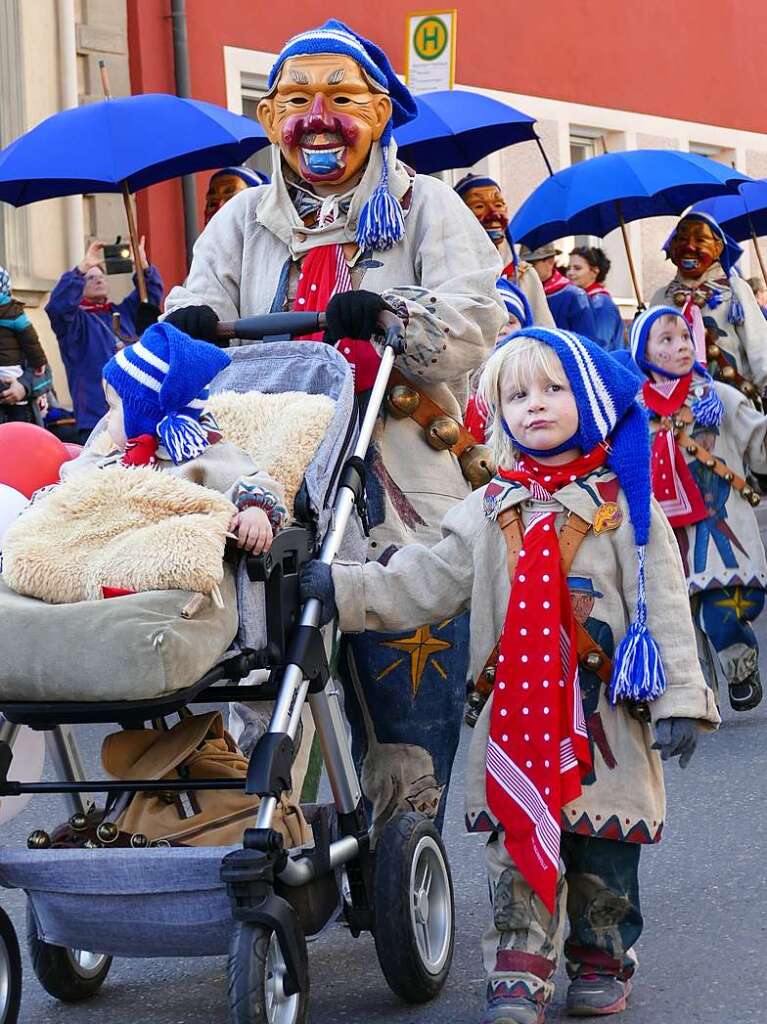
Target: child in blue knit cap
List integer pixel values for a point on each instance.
(578, 603)
(707, 436)
(156, 390)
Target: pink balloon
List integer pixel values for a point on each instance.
(30, 457)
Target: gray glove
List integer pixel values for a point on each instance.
(315, 579)
(676, 737)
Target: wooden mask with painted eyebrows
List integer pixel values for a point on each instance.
(694, 247)
(325, 113)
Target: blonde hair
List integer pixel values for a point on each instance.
(514, 364)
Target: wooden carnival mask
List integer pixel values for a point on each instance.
(221, 188)
(488, 205)
(694, 247)
(325, 113)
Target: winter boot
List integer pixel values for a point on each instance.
(746, 694)
(592, 994)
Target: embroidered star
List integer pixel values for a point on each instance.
(738, 604)
(421, 646)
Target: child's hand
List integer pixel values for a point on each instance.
(253, 529)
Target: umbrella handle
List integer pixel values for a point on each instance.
(757, 251)
(629, 256)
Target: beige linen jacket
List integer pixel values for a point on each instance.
(444, 271)
(468, 569)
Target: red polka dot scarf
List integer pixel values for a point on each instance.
(672, 482)
(538, 747)
(324, 273)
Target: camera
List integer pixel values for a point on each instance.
(117, 258)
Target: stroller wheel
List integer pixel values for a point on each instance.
(10, 972)
(414, 911)
(257, 974)
(69, 975)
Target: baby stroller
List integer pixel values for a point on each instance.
(256, 902)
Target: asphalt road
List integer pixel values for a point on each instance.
(704, 896)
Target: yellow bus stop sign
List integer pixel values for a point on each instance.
(430, 51)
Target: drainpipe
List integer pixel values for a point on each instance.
(183, 88)
(73, 205)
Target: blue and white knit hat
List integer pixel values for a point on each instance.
(381, 223)
(162, 381)
(708, 408)
(608, 411)
(5, 284)
(251, 177)
(515, 301)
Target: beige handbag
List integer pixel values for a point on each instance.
(197, 747)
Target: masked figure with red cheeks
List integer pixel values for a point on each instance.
(706, 285)
(345, 227)
(484, 198)
(226, 183)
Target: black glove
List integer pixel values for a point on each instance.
(676, 737)
(198, 321)
(146, 315)
(316, 580)
(353, 315)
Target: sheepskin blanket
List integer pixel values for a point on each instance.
(134, 529)
(281, 432)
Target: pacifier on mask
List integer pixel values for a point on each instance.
(322, 161)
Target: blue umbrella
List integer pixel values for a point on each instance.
(456, 128)
(135, 140)
(742, 215)
(607, 192)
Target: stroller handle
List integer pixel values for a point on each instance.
(253, 328)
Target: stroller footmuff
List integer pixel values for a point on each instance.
(256, 900)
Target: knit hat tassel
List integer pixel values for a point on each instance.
(182, 437)
(736, 314)
(381, 222)
(638, 673)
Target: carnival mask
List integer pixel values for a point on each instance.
(325, 113)
(489, 207)
(694, 248)
(220, 190)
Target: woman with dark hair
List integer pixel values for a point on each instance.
(588, 269)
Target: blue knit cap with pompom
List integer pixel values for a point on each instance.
(381, 224)
(162, 381)
(606, 395)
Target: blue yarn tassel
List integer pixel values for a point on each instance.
(736, 314)
(182, 437)
(708, 410)
(638, 673)
(381, 223)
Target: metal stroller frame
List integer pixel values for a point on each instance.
(402, 891)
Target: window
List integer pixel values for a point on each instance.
(253, 90)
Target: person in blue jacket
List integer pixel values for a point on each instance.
(588, 270)
(81, 317)
(569, 305)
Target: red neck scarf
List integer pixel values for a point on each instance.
(672, 482)
(538, 748)
(324, 273)
(91, 306)
(597, 288)
(556, 283)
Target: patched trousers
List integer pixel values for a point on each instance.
(597, 894)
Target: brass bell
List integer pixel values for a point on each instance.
(402, 401)
(107, 832)
(692, 449)
(78, 822)
(747, 492)
(754, 499)
(593, 661)
(710, 463)
(713, 351)
(138, 840)
(679, 424)
(489, 674)
(477, 465)
(680, 298)
(38, 840)
(728, 373)
(729, 477)
(443, 432)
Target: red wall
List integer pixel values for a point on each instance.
(696, 61)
